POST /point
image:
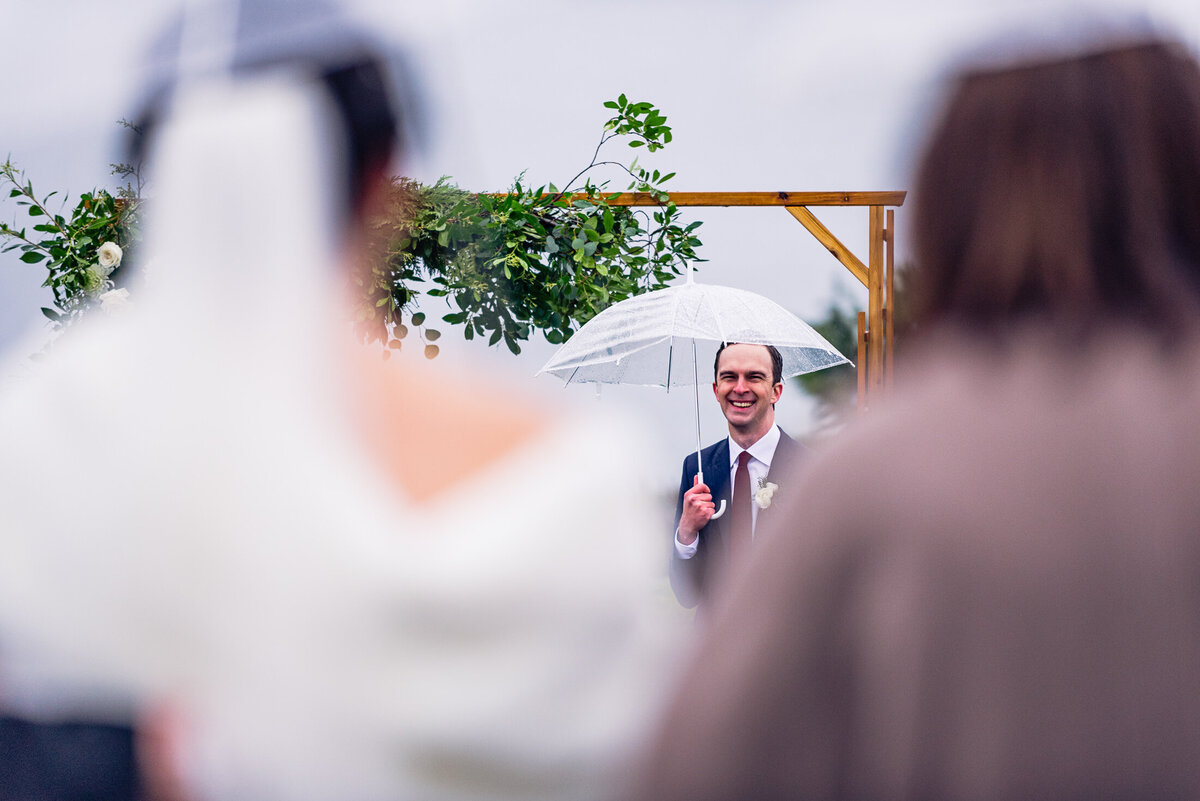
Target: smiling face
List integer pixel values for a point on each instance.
(745, 390)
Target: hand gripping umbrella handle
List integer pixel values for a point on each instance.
(696, 380)
(720, 509)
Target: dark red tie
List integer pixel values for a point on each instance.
(743, 520)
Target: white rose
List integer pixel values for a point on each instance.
(109, 256)
(114, 300)
(764, 494)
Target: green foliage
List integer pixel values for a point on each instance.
(529, 260)
(508, 265)
(68, 243)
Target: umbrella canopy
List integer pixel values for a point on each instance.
(648, 339)
(651, 340)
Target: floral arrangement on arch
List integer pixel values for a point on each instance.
(82, 251)
(507, 265)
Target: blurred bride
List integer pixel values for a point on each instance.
(342, 577)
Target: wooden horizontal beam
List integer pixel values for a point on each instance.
(755, 198)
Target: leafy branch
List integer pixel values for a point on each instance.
(544, 259)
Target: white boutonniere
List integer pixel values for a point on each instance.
(766, 490)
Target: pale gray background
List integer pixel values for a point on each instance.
(762, 95)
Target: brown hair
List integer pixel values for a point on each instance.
(1066, 192)
(776, 361)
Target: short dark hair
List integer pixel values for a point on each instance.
(1064, 191)
(776, 360)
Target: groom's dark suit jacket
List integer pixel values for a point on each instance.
(692, 579)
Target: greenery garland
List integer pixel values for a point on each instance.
(544, 259)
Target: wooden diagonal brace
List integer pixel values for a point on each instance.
(831, 242)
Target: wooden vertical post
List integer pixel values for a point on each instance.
(875, 298)
(890, 302)
(860, 366)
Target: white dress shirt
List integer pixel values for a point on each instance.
(761, 453)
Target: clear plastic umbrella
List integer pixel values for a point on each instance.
(654, 339)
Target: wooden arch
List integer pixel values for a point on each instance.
(876, 336)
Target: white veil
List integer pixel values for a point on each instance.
(241, 252)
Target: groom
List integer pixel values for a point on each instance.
(747, 382)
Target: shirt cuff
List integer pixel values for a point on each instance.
(686, 551)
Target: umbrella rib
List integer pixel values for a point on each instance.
(675, 301)
(716, 317)
(670, 360)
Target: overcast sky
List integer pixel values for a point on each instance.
(761, 95)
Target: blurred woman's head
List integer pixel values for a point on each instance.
(1064, 191)
(317, 42)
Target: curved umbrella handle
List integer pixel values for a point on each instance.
(700, 479)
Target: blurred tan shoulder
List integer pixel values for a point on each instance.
(432, 428)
